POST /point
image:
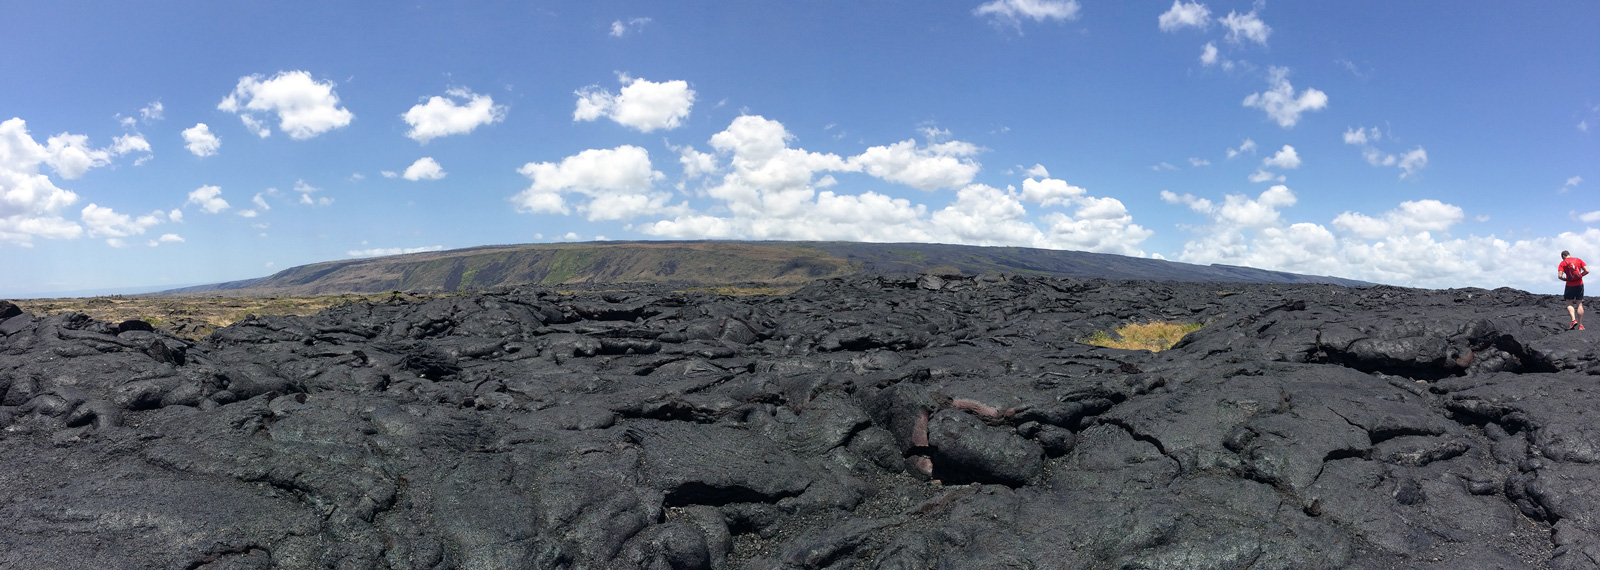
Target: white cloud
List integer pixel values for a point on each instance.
(175, 215)
(1184, 15)
(306, 190)
(1247, 27)
(1583, 125)
(1261, 175)
(1163, 166)
(1590, 217)
(1367, 138)
(1011, 12)
(1281, 103)
(1409, 245)
(424, 168)
(619, 184)
(1410, 217)
(443, 116)
(165, 238)
(200, 141)
(1244, 147)
(1197, 162)
(152, 112)
(305, 107)
(1413, 161)
(30, 204)
(697, 164)
(1050, 191)
(129, 143)
(1286, 158)
(1573, 182)
(261, 203)
(935, 166)
(104, 221)
(643, 105)
(1362, 135)
(621, 28)
(71, 156)
(390, 251)
(769, 190)
(209, 199)
(389, 173)
(1208, 54)
(1038, 171)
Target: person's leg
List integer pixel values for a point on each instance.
(1571, 312)
(1580, 313)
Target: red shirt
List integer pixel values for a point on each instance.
(1574, 268)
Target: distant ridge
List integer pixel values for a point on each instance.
(711, 263)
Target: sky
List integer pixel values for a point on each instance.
(1427, 144)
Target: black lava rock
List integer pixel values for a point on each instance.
(880, 422)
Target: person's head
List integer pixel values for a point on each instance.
(1564, 254)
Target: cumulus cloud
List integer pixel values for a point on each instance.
(30, 204)
(1408, 245)
(1410, 217)
(209, 199)
(1280, 102)
(621, 28)
(424, 168)
(1012, 12)
(1208, 54)
(457, 113)
(104, 221)
(199, 140)
(611, 184)
(1037, 171)
(1286, 158)
(305, 107)
(1246, 27)
(643, 105)
(769, 190)
(165, 238)
(390, 251)
(930, 167)
(1185, 15)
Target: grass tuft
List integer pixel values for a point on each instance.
(1154, 336)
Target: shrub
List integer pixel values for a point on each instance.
(1153, 336)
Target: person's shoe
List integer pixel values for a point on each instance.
(1573, 325)
(1580, 327)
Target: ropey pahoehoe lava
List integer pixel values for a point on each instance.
(861, 422)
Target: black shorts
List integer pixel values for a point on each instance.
(1574, 293)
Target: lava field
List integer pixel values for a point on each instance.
(869, 422)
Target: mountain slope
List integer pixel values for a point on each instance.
(712, 263)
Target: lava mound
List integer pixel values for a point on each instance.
(879, 422)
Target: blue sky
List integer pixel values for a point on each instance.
(1414, 143)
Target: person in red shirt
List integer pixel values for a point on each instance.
(1572, 271)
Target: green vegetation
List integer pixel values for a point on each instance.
(565, 264)
(1154, 336)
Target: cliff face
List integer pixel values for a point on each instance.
(711, 263)
(858, 423)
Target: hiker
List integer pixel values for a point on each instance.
(1572, 271)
